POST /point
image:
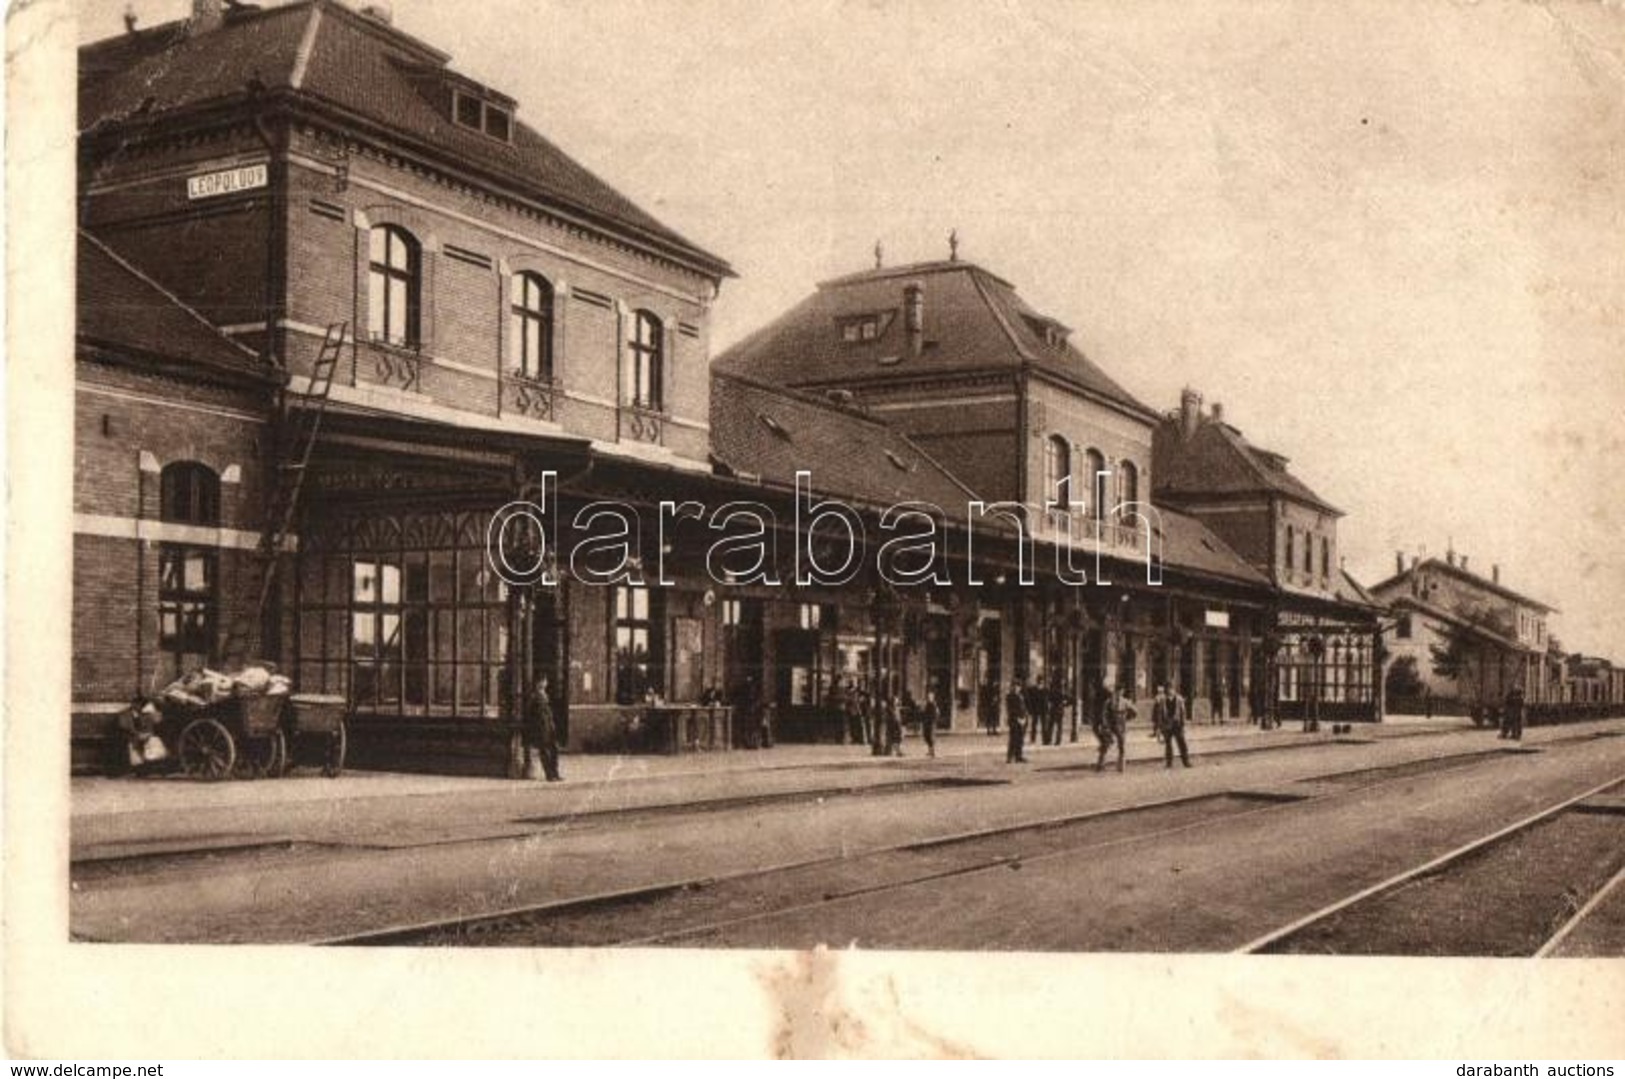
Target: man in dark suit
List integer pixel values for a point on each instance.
(1015, 706)
(1168, 716)
(1037, 702)
(1056, 705)
(1512, 715)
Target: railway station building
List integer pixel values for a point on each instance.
(339, 305)
(1322, 631)
(1472, 638)
(949, 354)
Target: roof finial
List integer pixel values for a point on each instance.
(880, 255)
(129, 17)
(953, 245)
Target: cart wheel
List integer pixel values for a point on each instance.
(334, 764)
(206, 750)
(290, 751)
(262, 758)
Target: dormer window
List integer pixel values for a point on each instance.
(1053, 334)
(861, 329)
(481, 115)
(498, 124)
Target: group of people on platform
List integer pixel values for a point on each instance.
(877, 719)
(1022, 704)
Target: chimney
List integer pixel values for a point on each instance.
(1495, 573)
(1190, 412)
(206, 15)
(1463, 561)
(379, 12)
(914, 316)
(1218, 412)
(1399, 561)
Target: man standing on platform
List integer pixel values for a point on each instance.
(1056, 705)
(1168, 716)
(1114, 719)
(1015, 706)
(929, 715)
(1512, 715)
(1037, 702)
(541, 736)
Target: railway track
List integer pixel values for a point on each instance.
(1521, 890)
(694, 911)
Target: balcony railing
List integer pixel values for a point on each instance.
(640, 423)
(533, 397)
(396, 363)
(1087, 531)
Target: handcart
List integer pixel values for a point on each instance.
(316, 732)
(239, 735)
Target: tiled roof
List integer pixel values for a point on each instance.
(973, 321)
(1392, 584)
(121, 309)
(322, 52)
(1456, 621)
(1188, 544)
(1349, 590)
(1218, 459)
(771, 434)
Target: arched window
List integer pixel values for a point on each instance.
(394, 286)
(646, 361)
(1128, 484)
(1094, 463)
(531, 320)
(1057, 472)
(189, 494)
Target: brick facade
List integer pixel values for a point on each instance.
(128, 426)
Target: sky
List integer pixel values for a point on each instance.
(1388, 236)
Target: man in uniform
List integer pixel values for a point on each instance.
(1168, 716)
(1015, 705)
(541, 736)
(1114, 718)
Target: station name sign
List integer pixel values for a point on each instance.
(226, 182)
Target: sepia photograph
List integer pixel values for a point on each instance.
(872, 523)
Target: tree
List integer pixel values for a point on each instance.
(1403, 679)
(1466, 646)
(1453, 652)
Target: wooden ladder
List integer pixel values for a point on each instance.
(300, 418)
